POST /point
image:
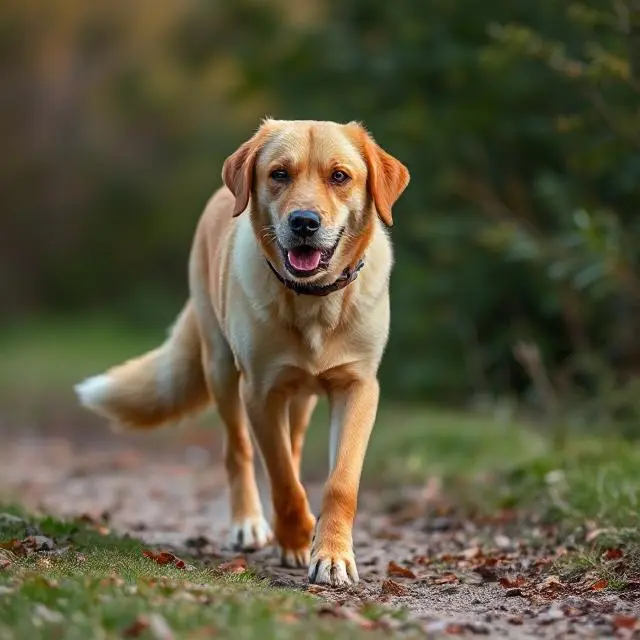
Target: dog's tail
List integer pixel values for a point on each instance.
(157, 387)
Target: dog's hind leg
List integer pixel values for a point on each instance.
(300, 410)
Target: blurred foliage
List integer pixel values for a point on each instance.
(518, 120)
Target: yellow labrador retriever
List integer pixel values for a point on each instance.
(289, 298)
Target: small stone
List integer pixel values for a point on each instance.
(513, 592)
(39, 543)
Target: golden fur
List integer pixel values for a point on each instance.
(264, 352)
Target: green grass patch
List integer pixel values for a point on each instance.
(102, 586)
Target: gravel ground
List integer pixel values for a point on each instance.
(457, 576)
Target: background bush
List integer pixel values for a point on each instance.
(518, 120)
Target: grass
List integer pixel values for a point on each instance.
(102, 586)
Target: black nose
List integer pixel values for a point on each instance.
(304, 223)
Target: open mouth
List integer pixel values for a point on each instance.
(304, 261)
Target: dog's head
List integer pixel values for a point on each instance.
(315, 189)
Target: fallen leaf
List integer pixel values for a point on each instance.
(316, 588)
(289, 618)
(471, 553)
(392, 588)
(387, 534)
(626, 622)
(112, 581)
(455, 629)
(594, 533)
(551, 584)
(599, 585)
(14, 546)
(359, 619)
(237, 565)
(612, 554)
(164, 558)
(487, 572)
(447, 578)
(394, 569)
(509, 583)
(136, 628)
(159, 628)
(346, 613)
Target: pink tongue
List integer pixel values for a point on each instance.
(304, 259)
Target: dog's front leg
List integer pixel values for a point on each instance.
(293, 520)
(353, 412)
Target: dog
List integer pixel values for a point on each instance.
(289, 298)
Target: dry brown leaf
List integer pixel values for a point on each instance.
(387, 534)
(626, 622)
(392, 588)
(612, 554)
(471, 553)
(510, 583)
(600, 585)
(551, 585)
(398, 571)
(237, 565)
(487, 572)
(136, 628)
(594, 533)
(359, 619)
(447, 578)
(14, 546)
(164, 558)
(455, 629)
(316, 588)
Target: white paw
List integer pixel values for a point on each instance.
(295, 557)
(250, 534)
(338, 570)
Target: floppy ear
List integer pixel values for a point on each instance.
(237, 172)
(387, 178)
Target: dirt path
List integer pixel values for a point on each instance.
(461, 577)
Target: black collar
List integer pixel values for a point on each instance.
(346, 278)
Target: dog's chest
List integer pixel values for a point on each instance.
(315, 321)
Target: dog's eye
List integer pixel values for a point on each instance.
(339, 177)
(280, 175)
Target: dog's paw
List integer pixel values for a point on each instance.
(336, 570)
(250, 534)
(296, 558)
